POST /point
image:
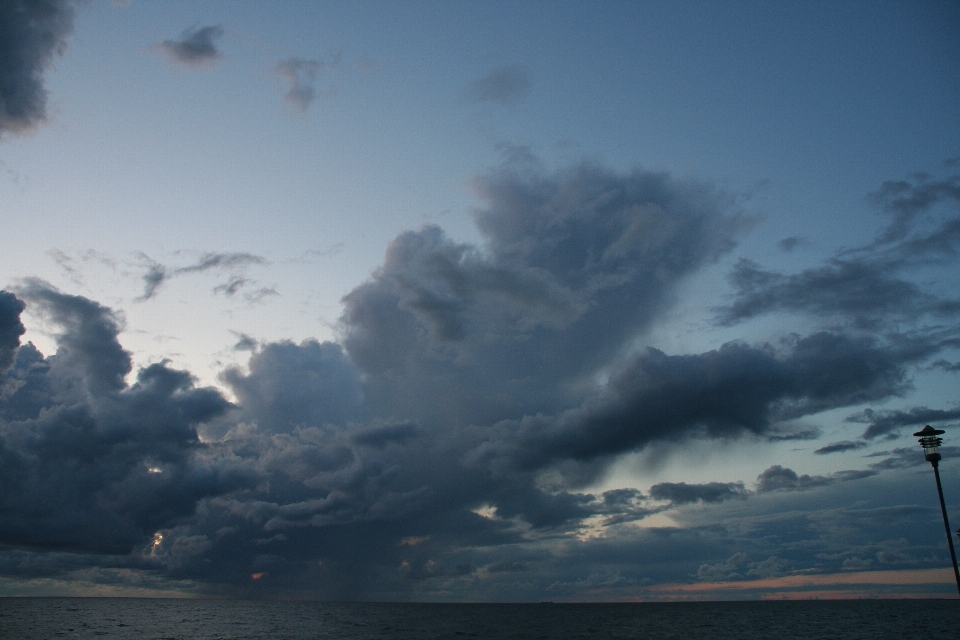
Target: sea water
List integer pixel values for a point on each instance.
(164, 619)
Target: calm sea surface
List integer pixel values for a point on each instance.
(144, 619)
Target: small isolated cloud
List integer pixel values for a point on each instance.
(778, 478)
(839, 447)
(32, 34)
(196, 47)
(791, 243)
(245, 343)
(301, 74)
(504, 85)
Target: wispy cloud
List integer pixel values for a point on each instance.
(158, 273)
(301, 75)
(505, 85)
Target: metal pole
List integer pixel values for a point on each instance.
(946, 523)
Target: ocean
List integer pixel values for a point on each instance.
(164, 619)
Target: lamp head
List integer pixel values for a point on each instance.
(930, 442)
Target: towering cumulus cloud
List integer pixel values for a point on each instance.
(442, 446)
(89, 463)
(32, 33)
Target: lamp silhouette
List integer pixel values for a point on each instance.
(930, 440)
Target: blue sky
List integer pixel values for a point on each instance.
(477, 301)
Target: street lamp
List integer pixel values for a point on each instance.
(930, 441)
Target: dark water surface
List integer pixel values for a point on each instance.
(146, 619)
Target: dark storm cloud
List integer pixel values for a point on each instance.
(504, 85)
(196, 46)
(882, 423)
(447, 438)
(733, 390)
(574, 266)
(290, 385)
(869, 286)
(88, 343)
(89, 463)
(157, 273)
(10, 328)
(33, 33)
(683, 493)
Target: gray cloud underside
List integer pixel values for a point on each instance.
(32, 34)
(196, 46)
(448, 433)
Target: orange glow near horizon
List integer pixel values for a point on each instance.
(834, 586)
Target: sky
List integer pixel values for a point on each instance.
(478, 301)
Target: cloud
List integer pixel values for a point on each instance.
(793, 242)
(33, 35)
(301, 75)
(907, 200)
(10, 328)
(195, 48)
(884, 423)
(89, 463)
(867, 292)
(737, 567)
(839, 447)
(157, 273)
(777, 478)
(504, 85)
(869, 286)
(734, 390)
(574, 266)
(290, 385)
(683, 493)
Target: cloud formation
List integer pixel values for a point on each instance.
(196, 47)
(445, 443)
(33, 35)
(90, 463)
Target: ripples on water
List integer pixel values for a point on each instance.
(144, 619)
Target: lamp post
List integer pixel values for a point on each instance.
(930, 441)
